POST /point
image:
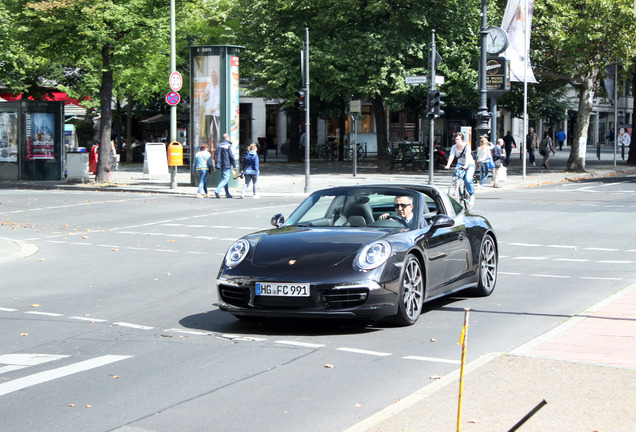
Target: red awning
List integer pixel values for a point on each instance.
(55, 96)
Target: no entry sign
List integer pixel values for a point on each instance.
(173, 98)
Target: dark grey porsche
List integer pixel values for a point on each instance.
(345, 252)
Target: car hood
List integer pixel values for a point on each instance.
(310, 247)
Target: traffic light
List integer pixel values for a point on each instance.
(300, 99)
(435, 103)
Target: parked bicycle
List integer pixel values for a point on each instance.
(361, 149)
(328, 152)
(457, 189)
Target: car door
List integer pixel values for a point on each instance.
(448, 253)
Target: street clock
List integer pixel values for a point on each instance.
(496, 40)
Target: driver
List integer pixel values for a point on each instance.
(403, 209)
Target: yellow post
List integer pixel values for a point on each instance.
(462, 342)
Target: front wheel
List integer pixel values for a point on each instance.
(411, 295)
(487, 267)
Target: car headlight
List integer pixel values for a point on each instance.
(374, 255)
(236, 253)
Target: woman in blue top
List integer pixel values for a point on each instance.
(250, 169)
(202, 165)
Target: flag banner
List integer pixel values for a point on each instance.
(514, 23)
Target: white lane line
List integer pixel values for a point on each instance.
(29, 359)
(601, 249)
(299, 344)
(196, 253)
(366, 352)
(81, 244)
(55, 241)
(562, 246)
(234, 337)
(552, 276)
(630, 250)
(509, 273)
(81, 318)
(51, 314)
(572, 259)
(531, 258)
(615, 262)
(165, 250)
(525, 244)
(190, 332)
(42, 377)
(135, 326)
(136, 248)
(7, 309)
(204, 237)
(432, 359)
(600, 278)
(109, 246)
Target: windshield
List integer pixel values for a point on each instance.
(388, 208)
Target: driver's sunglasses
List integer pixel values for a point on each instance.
(400, 205)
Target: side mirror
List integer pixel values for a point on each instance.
(443, 221)
(278, 220)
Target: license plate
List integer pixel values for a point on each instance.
(282, 289)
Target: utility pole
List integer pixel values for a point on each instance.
(431, 114)
(173, 108)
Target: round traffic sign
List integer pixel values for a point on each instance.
(173, 98)
(176, 81)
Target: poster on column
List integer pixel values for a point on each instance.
(9, 137)
(235, 105)
(40, 133)
(206, 101)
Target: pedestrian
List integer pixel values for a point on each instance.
(497, 158)
(249, 167)
(224, 160)
(203, 165)
(532, 144)
(484, 156)
(624, 140)
(610, 137)
(509, 144)
(560, 137)
(465, 161)
(545, 148)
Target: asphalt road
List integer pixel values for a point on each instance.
(112, 324)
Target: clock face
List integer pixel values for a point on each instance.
(496, 40)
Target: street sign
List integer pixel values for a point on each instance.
(423, 79)
(173, 98)
(176, 81)
(415, 80)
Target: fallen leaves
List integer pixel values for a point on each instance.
(24, 334)
(329, 366)
(435, 377)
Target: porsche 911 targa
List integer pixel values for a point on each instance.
(371, 252)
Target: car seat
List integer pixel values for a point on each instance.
(358, 206)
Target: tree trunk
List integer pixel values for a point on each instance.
(342, 124)
(586, 103)
(297, 122)
(129, 129)
(105, 96)
(384, 161)
(631, 158)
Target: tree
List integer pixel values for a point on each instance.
(573, 41)
(359, 49)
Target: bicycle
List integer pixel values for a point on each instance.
(361, 150)
(457, 189)
(328, 152)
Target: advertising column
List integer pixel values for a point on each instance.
(214, 110)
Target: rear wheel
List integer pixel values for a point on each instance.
(487, 267)
(453, 189)
(411, 295)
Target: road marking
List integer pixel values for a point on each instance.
(562, 246)
(572, 259)
(7, 309)
(432, 359)
(300, 344)
(234, 337)
(615, 262)
(51, 314)
(525, 244)
(190, 332)
(42, 377)
(509, 273)
(552, 276)
(135, 326)
(600, 278)
(601, 249)
(367, 352)
(87, 319)
(16, 362)
(530, 258)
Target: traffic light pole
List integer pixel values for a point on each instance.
(307, 128)
(431, 137)
(483, 115)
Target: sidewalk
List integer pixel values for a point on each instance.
(585, 369)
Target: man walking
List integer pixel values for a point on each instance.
(509, 143)
(532, 143)
(224, 160)
(560, 137)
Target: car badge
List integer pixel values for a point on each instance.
(292, 262)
